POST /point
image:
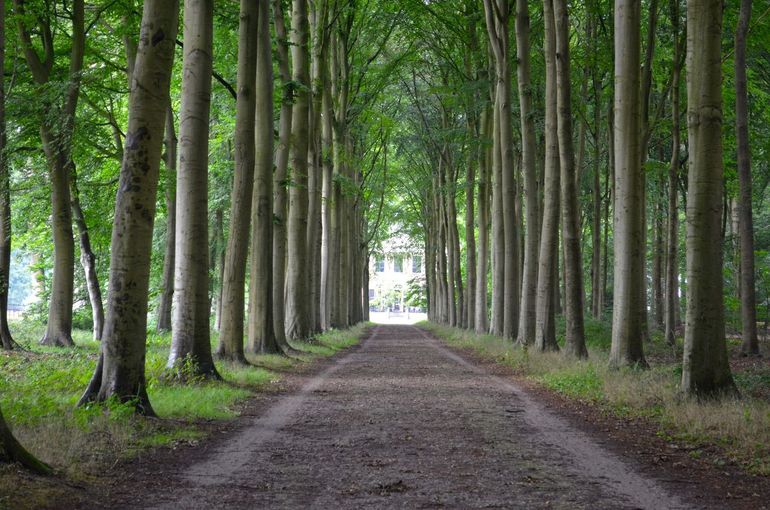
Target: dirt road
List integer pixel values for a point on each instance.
(402, 422)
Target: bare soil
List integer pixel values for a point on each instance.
(401, 421)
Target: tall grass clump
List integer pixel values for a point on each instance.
(740, 426)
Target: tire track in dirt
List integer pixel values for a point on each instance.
(403, 422)
(591, 457)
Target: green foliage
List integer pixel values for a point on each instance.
(579, 381)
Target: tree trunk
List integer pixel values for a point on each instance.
(59, 329)
(56, 136)
(327, 253)
(750, 345)
(217, 265)
(6, 340)
(167, 287)
(657, 264)
(87, 258)
(318, 23)
(280, 177)
(574, 296)
(627, 327)
(498, 233)
(547, 280)
(470, 237)
(190, 339)
(485, 160)
(297, 319)
(671, 287)
(231, 332)
(597, 288)
(120, 370)
(262, 331)
(508, 198)
(528, 314)
(10, 449)
(705, 371)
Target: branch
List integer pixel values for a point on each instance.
(217, 77)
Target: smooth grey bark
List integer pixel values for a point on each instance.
(574, 343)
(231, 332)
(280, 177)
(190, 337)
(498, 233)
(6, 339)
(167, 285)
(705, 370)
(338, 272)
(327, 253)
(750, 344)
(597, 289)
(671, 286)
(56, 136)
(657, 262)
(120, 370)
(497, 18)
(528, 314)
(547, 279)
(87, 258)
(217, 264)
(627, 327)
(470, 237)
(482, 311)
(297, 305)
(262, 331)
(318, 27)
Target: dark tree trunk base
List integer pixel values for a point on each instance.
(57, 340)
(95, 394)
(12, 451)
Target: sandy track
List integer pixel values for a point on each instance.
(402, 422)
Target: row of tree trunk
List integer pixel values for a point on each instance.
(525, 288)
(301, 224)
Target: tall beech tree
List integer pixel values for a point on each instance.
(705, 370)
(627, 330)
(167, 286)
(231, 331)
(6, 340)
(498, 13)
(120, 371)
(280, 176)
(575, 343)
(671, 286)
(528, 314)
(190, 339)
(547, 276)
(262, 333)
(57, 125)
(750, 345)
(297, 305)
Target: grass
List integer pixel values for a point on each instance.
(740, 426)
(39, 387)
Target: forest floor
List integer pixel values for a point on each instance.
(402, 421)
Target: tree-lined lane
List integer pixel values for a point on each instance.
(404, 422)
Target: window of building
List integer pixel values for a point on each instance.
(379, 265)
(398, 264)
(416, 264)
(371, 294)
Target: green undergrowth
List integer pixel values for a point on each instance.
(740, 426)
(39, 387)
